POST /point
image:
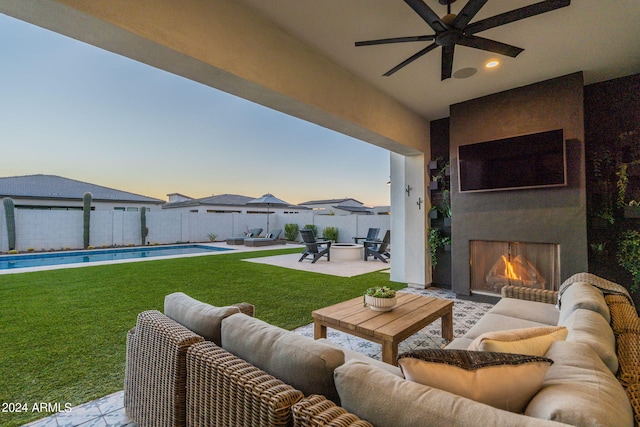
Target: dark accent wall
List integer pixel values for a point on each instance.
(552, 215)
(611, 108)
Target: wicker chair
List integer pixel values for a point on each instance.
(155, 373)
(154, 383)
(224, 390)
(316, 411)
(530, 294)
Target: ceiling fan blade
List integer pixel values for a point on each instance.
(427, 14)
(490, 45)
(447, 61)
(396, 40)
(411, 59)
(516, 15)
(467, 13)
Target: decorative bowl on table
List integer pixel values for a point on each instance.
(380, 298)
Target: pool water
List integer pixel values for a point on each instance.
(45, 259)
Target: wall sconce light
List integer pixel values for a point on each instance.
(419, 203)
(408, 190)
(389, 182)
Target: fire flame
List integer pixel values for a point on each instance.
(509, 270)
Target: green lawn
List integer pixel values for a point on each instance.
(64, 331)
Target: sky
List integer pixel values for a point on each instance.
(74, 110)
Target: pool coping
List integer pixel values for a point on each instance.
(229, 249)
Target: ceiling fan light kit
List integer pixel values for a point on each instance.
(452, 30)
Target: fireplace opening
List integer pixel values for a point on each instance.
(497, 264)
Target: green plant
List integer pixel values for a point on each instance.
(86, 211)
(10, 216)
(379, 292)
(629, 256)
(445, 208)
(621, 184)
(144, 231)
(598, 248)
(312, 228)
(442, 172)
(291, 231)
(330, 233)
(212, 237)
(435, 242)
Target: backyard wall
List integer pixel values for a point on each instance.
(50, 229)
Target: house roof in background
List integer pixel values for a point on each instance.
(353, 208)
(57, 187)
(217, 200)
(329, 201)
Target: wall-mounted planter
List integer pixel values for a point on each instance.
(433, 214)
(433, 185)
(447, 221)
(632, 211)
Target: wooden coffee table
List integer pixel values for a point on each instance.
(412, 313)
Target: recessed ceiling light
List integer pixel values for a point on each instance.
(492, 64)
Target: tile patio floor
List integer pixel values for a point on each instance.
(109, 411)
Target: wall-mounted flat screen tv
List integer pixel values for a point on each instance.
(520, 162)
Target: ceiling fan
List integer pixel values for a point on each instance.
(454, 29)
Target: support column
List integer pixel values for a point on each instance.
(410, 255)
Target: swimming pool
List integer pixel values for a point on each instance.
(8, 262)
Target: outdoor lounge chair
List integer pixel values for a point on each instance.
(254, 232)
(378, 249)
(315, 248)
(372, 234)
(271, 238)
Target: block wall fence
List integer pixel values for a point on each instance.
(56, 230)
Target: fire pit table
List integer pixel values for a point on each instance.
(346, 252)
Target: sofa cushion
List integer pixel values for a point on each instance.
(355, 355)
(460, 343)
(589, 327)
(386, 400)
(301, 362)
(201, 318)
(491, 322)
(531, 341)
(527, 310)
(580, 390)
(584, 296)
(502, 380)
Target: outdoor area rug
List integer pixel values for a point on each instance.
(322, 266)
(465, 315)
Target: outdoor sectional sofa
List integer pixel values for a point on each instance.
(221, 366)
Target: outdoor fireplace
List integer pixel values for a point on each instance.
(496, 264)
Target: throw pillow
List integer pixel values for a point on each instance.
(502, 380)
(531, 341)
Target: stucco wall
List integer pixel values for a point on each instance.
(554, 215)
(45, 230)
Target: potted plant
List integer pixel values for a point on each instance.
(380, 298)
(632, 210)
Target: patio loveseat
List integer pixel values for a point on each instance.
(258, 374)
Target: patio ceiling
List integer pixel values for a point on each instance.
(298, 56)
(598, 37)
